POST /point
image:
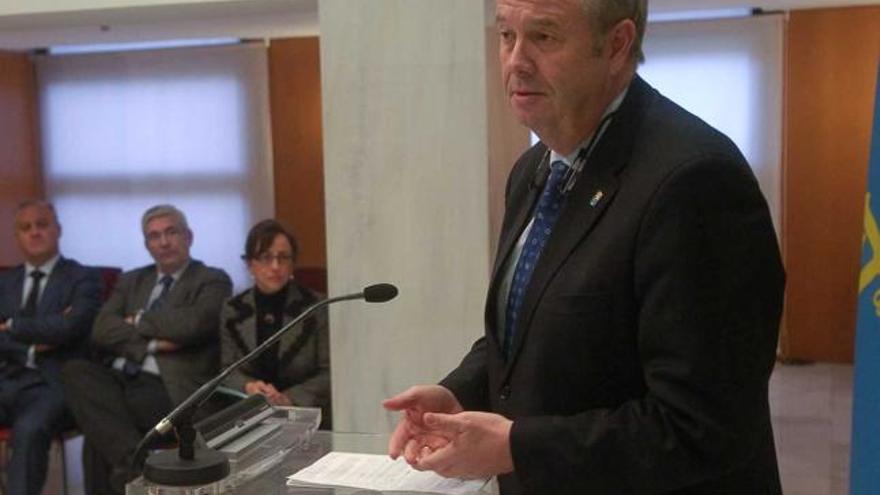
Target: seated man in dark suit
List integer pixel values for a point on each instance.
(47, 306)
(158, 336)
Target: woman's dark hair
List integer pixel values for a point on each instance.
(262, 235)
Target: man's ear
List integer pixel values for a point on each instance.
(620, 41)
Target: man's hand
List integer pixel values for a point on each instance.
(412, 437)
(4, 326)
(130, 319)
(258, 387)
(477, 446)
(275, 397)
(279, 399)
(43, 347)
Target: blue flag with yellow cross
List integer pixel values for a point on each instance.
(865, 461)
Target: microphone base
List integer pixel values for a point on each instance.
(167, 468)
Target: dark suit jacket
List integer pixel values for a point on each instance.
(648, 331)
(189, 318)
(303, 351)
(65, 312)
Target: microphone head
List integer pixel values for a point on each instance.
(380, 293)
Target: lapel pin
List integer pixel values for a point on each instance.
(596, 198)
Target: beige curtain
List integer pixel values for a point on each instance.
(123, 131)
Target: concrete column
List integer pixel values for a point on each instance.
(406, 183)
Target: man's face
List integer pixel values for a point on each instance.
(553, 77)
(37, 233)
(168, 243)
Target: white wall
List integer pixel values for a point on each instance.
(673, 5)
(405, 160)
(17, 7)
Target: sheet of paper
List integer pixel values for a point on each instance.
(379, 472)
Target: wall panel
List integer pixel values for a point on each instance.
(832, 67)
(295, 89)
(20, 175)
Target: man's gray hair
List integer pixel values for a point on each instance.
(605, 14)
(163, 211)
(39, 203)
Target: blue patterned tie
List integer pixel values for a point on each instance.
(546, 214)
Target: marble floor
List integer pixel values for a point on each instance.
(812, 416)
(811, 406)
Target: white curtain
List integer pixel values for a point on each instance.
(729, 73)
(124, 131)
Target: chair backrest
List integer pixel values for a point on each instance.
(109, 276)
(313, 277)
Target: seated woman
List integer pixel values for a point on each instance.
(296, 369)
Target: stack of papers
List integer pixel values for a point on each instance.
(380, 473)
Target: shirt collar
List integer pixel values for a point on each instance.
(570, 158)
(176, 275)
(46, 267)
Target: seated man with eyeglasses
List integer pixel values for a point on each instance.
(296, 369)
(158, 337)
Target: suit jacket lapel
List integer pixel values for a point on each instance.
(179, 290)
(294, 300)
(17, 289)
(524, 195)
(247, 329)
(145, 286)
(51, 291)
(592, 194)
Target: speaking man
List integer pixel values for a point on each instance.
(633, 310)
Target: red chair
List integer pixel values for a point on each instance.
(109, 277)
(313, 277)
(5, 437)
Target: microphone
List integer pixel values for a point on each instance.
(380, 293)
(200, 465)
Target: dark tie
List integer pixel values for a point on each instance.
(30, 306)
(546, 214)
(166, 282)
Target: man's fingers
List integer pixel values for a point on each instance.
(403, 400)
(413, 451)
(439, 460)
(398, 439)
(444, 423)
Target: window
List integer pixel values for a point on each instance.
(124, 131)
(729, 73)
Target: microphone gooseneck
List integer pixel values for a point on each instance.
(181, 416)
(541, 172)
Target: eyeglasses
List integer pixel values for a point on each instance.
(283, 259)
(170, 232)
